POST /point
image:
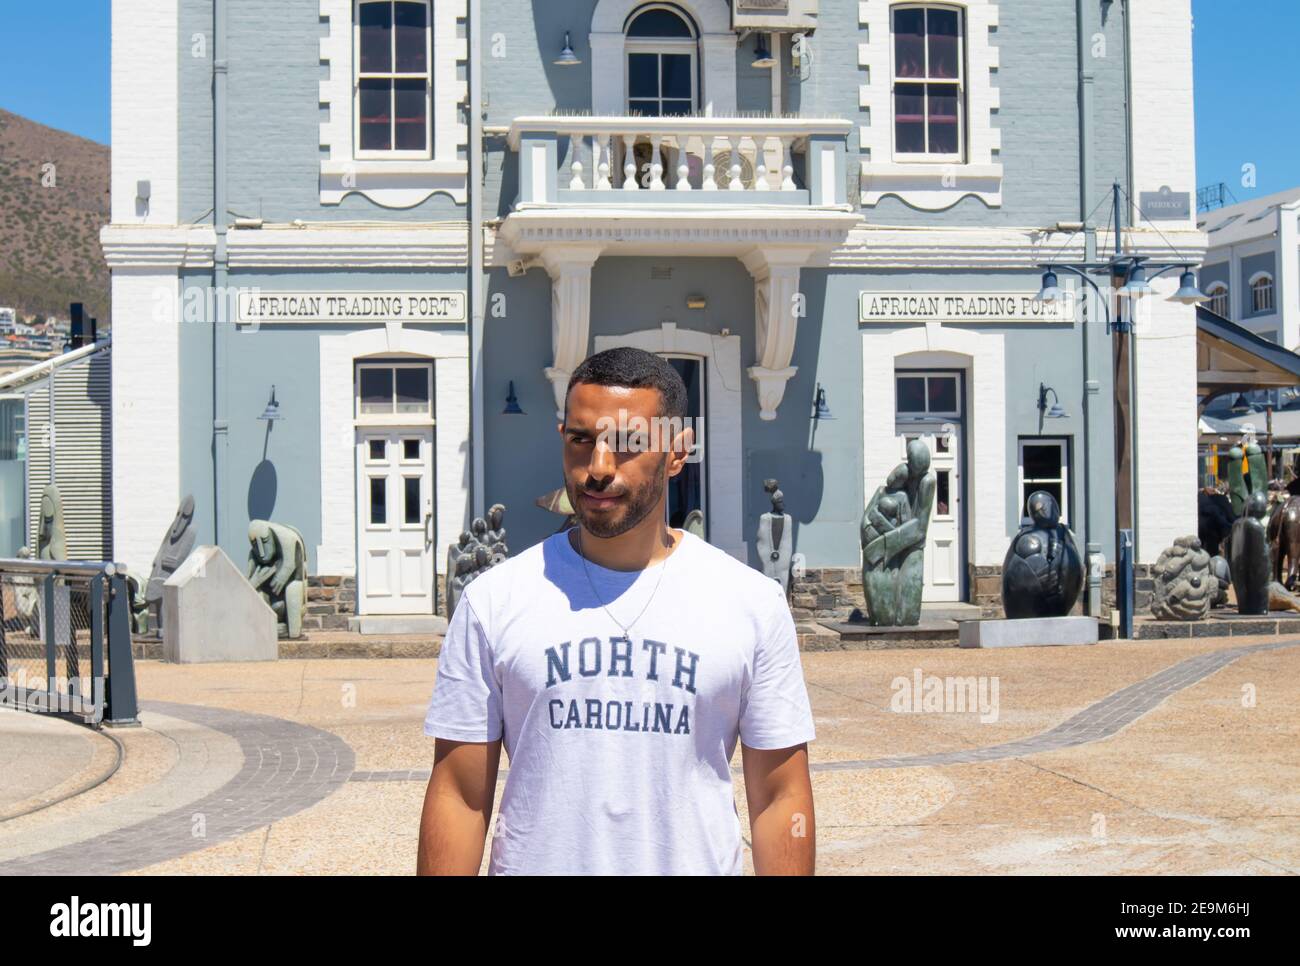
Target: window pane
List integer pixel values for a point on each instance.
(643, 108)
(909, 118)
(942, 484)
(413, 390)
(410, 27)
(944, 43)
(676, 108)
(909, 43)
(376, 390)
(376, 130)
(411, 499)
(378, 500)
(677, 76)
(943, 119)
(412, 124)
(376, 26)
(911, 394)
(658, 23)
(642, 75)
(410, 449)
(377, 449)
(1042, 462)
(943, 394)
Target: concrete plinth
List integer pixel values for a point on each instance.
(1029, 632)
(212, 613)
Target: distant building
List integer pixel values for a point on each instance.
(1252, 265)
(8, 319)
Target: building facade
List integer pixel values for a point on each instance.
(428, 213)
(1252, 265)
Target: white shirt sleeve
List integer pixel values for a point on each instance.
(774, 712)
(466, 703)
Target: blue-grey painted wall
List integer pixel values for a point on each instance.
(272, 474)
(273, 118)
(1250, 264)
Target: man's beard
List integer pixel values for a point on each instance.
(636, 505)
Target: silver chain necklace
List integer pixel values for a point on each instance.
(582, 555)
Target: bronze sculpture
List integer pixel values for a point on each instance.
(479, 548)
(775, 538)
(1042, 574)
(893, 533)
(173, 550)
(1249, 558)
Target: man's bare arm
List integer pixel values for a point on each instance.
(779, 792)
(458, 807)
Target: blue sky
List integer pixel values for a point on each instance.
(54, 69)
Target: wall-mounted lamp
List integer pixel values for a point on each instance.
(820, 409)
(762, 56)
(512, 403)
(1056, 411)
(696, 302)
(272, 411)
(567, 57)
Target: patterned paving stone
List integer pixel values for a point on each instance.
(1097, 721)
(288, 767)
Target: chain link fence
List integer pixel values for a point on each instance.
(65, 640)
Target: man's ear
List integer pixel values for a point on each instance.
(681, 450)
(559, 427)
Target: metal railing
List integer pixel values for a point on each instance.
(65, 640)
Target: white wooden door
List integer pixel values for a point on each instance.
(395, 520)
(944, 558)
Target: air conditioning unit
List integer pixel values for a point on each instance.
(774, 15)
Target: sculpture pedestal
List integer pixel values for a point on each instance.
(1029, 632)
(212, 613)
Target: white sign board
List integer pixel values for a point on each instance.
(259, 308)
(987, 308)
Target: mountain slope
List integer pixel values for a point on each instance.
(53, 201)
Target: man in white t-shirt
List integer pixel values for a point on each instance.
(619, 662)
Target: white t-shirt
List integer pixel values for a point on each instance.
(620, 746)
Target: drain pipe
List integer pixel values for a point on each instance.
(1091, 387)
(220, 267)
(474, 283)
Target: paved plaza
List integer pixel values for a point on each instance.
(1176, 756)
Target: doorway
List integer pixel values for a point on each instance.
(929, 407)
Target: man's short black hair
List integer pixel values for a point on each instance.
(633, 369)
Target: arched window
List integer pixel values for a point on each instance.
(1218, 304)
(1261, 293)
(662, 48)
(393, 53)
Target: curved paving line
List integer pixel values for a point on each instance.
(80, 789)
(288, 767)
(1093, 723)
(1097, 721)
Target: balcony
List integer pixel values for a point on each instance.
(654, 184)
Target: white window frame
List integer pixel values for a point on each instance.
(1063, 444)
(393, 75)
(928, 157)
(1220, 298)
(392, 418)
(927, 414)
(662, 45)
(1261, 283)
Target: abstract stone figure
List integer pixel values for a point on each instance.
(1184, 587)
(1042, 574)
(694, 523)
(775, 540)
(51, 543)
(1246, 475)
(277, 569)
(1279, 598)
(1222, 575)
(173, 550)
(1248, 557)
(893, 533)
(27, 597)
(479, 548)
(135, 585)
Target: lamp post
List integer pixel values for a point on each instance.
(1129, 282)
